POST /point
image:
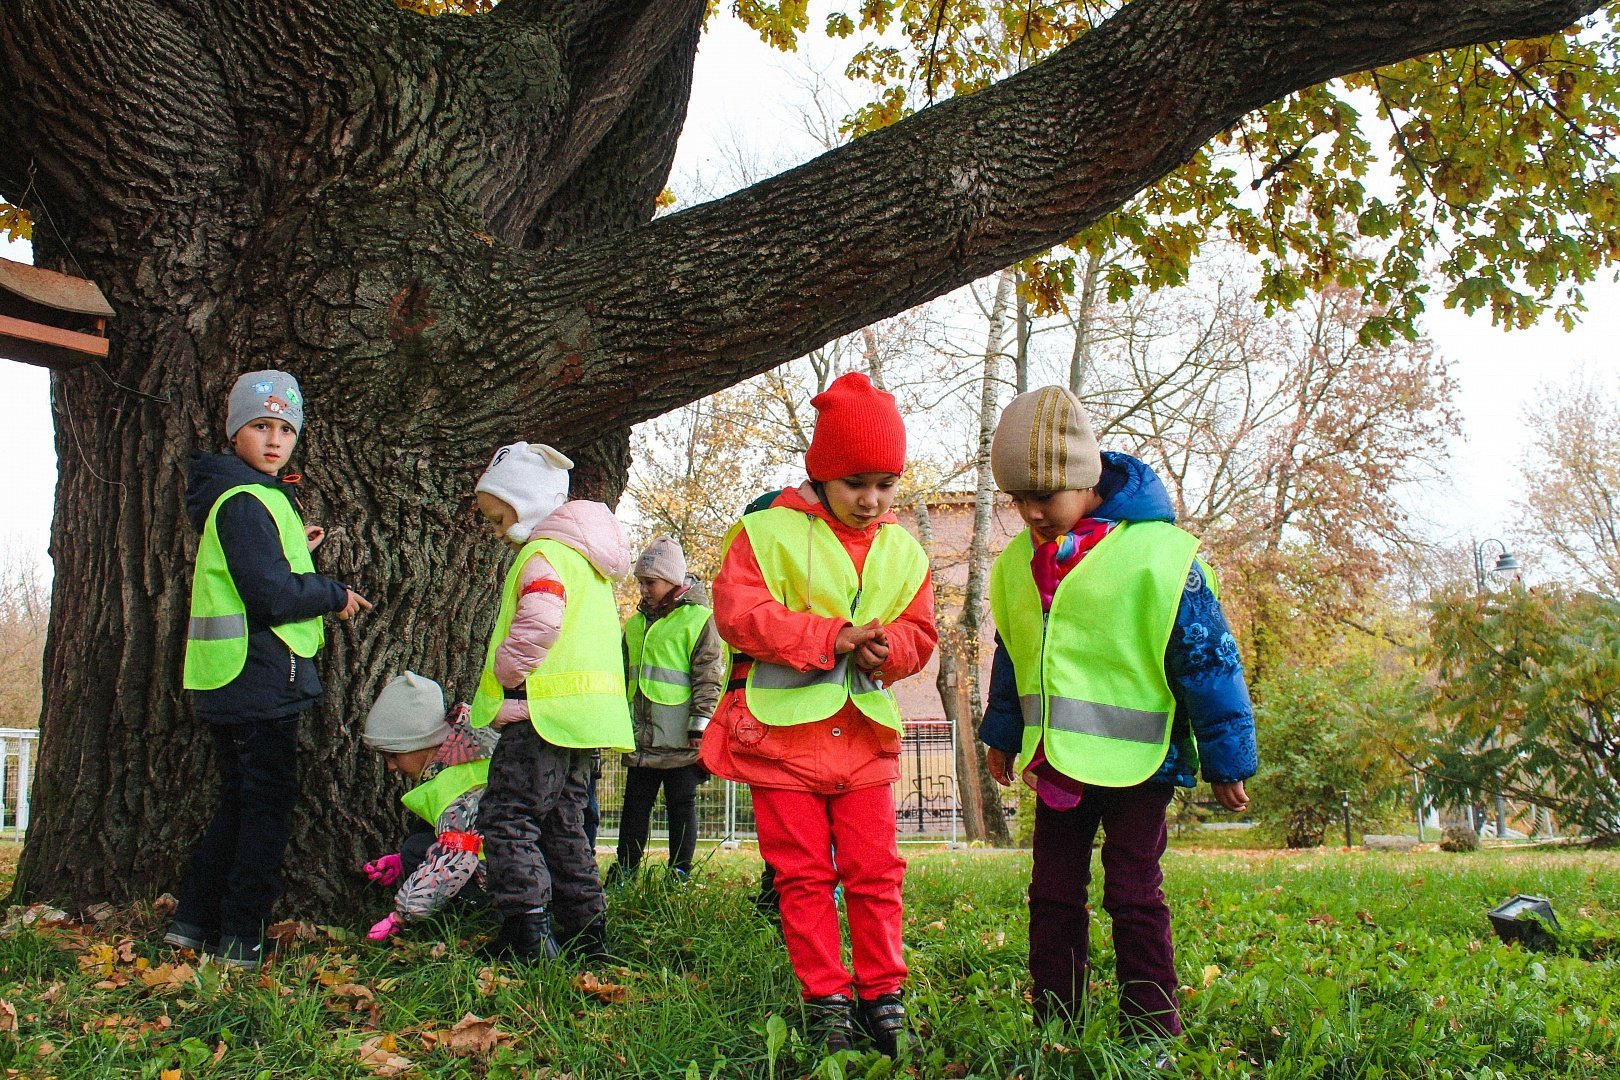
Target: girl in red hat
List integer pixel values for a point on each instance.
(826, 603)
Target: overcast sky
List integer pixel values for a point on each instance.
(741, 96)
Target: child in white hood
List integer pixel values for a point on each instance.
(556, 690)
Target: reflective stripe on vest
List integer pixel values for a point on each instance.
(660, 657)
(217, 633)
(1091, 680)
(576, 696)
(807, 569)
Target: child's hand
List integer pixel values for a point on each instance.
(1232, 796)
(873, 654)
(1001, 765)
(384, 870)
(851, 638)
(355, 605)
(386, 928)
(313, 535)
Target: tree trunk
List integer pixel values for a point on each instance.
(442, 228)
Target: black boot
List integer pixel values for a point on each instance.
(830, 1020)
(884, 1019)
(524, 936)
(589, 944)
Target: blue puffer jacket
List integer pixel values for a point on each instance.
(1214, 722)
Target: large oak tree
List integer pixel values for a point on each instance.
(443, 227)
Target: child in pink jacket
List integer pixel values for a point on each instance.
(555, 688)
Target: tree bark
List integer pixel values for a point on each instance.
(442, 227)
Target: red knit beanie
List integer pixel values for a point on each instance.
(858, 430)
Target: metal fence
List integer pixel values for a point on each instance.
(16, 775)
(926, 804)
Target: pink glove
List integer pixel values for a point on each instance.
(384, 870)
(386, 928)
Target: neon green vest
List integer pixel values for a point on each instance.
(1091, 674)
(660, 667)
(807, 569)
(576, 696)
(429, 799)
(217, 637)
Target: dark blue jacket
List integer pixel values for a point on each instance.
(1201, 662)
(273, 683)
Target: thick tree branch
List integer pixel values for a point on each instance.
(704, 298)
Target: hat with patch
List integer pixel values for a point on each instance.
(532, 479)
(264, 393)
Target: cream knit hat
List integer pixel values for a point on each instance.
(1044, 443)
(408, 715)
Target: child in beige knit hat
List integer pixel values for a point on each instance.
(1112, 657)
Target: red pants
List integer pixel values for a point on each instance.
(798, 833)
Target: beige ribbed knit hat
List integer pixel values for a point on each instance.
(663, 559)
(408, 715)
(1044, 443)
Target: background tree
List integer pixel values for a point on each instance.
(1526, 702)
(1572, 485)
(24, 603)
(442, 227)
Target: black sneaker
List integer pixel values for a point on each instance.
(830, 1020)
(589, 944)
(884, 1020)
(184, 935)
(243, 954)
(525, 936)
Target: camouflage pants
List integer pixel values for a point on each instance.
(533, 822)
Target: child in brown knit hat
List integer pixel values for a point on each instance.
(1112, 659)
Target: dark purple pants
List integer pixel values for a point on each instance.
(1060, 924)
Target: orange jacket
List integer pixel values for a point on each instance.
(844, 752)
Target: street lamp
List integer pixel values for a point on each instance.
(1505, 562)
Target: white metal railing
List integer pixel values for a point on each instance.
(16, 775)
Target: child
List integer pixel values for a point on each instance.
(553, 684)
(1111, 646)
(825, 599)
(256, 607)
(674, 665)
(449, 760)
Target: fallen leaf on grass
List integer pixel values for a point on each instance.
(34, 915)
(606, 992)
(489, 981)
(99, 912)
(1322, 919)
(377, 1056)
(471, 1035)
(8, 1016)
(164, 905)
(170, 1074)
(1211, 973)
(126, 952)
(167, 977)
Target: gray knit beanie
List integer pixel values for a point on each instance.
(264, 393)
(662, 559)
(1044, 443)
(408, 715)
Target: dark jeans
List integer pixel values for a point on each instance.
(413, 852)
(1059, 922)
(234, 877)
(532, 818)
(593, 809)
(680, 802)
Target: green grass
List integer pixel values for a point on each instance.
(1318, 964)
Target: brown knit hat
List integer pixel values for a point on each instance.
(1044, 443)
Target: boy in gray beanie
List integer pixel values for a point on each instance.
(257, 606)
(1106, 620)
(449, 762)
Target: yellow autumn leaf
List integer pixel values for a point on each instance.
(1211, 973)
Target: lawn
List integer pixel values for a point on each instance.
(1317, 964)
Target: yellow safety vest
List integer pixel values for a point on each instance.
(661, 668)
(1090, 673)
(807, 569)
(217, 635)
(576, 696)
